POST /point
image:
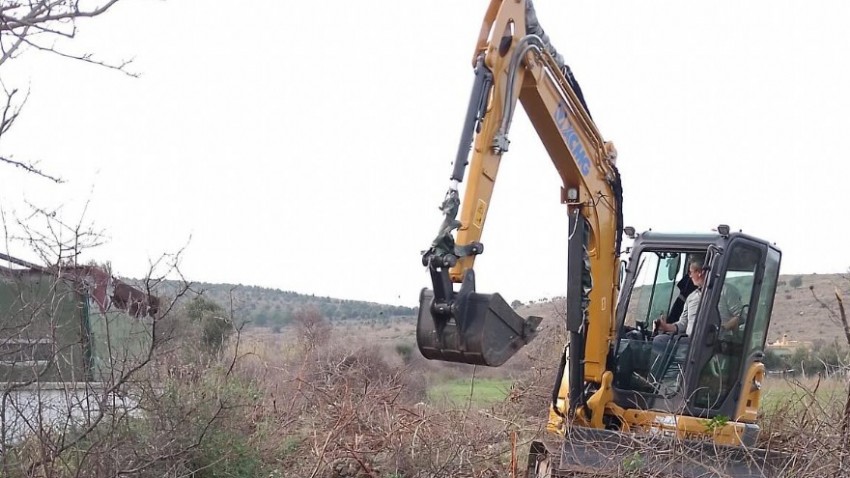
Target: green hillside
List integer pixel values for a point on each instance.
(267, 307)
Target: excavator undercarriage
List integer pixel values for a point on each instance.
(587, 452)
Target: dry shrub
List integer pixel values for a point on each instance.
(327, 407)
(531, 394)
(804, 421)
(340, 409)
(173, 428)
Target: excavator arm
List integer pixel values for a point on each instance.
(514, 62)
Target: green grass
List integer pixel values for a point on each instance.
(781, 395)
(456, 393)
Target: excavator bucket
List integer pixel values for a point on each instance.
(479, 329)
(603, 453)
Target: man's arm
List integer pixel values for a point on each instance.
(681, 326)
(734, 307)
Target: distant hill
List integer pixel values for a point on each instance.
(805, 316)
(797, 312)
(266, 307)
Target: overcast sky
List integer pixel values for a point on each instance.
(306, 145)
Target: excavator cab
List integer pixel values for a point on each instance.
(712, 367)
(670, 385)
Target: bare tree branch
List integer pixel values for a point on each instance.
(45, 11)
(30, 168)
(41, 25)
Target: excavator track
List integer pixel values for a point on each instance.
(589, 452)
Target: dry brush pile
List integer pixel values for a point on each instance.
(316, 406)
(345, 410)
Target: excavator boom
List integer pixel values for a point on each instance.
(514, 61)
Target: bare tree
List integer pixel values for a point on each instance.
(840, 318)
(47, 26)
(312, 328)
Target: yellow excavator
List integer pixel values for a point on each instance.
(663, 368)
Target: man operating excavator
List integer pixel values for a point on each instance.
(685, 324)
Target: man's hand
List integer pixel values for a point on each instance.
(662, 325)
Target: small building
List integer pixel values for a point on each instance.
(66, 333)
(784, 347)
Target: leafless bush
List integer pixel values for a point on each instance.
(87, 382)
(311, 327)
(343, 409)
(142, 421)
(803, 421)
(531, 393)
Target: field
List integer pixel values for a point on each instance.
(791, 396)
(460, 393)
